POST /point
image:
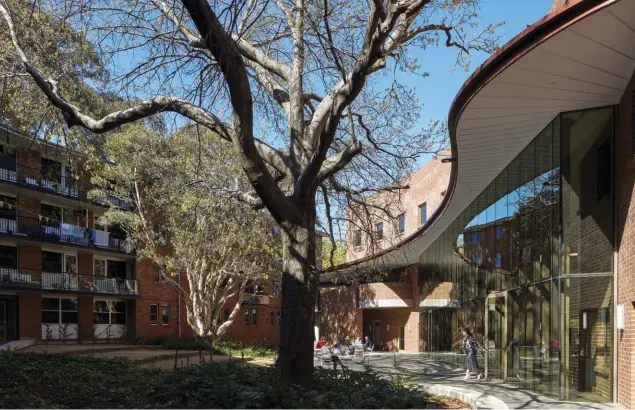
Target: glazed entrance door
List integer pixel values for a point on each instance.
(495, 335)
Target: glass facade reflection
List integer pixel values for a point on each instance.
(531, 260)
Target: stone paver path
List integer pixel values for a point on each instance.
(430, 372)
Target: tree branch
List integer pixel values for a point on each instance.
(337, 162)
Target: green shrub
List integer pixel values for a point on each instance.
(45, 381)
(234, 386)
(220, 348)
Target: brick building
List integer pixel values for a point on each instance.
(62, 276)
(532, 244)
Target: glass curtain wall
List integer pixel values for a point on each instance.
(532, 261)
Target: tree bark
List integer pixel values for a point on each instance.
(299, 286)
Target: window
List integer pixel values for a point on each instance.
(476, 259)
(254, 317)
(163, 236)
(357, 240)
(379, 231)
(272, 318)
(158, 277)
(165, 315)
(51, 215)
(51, 170)
(99, 267)
(154, 314)
(275, 289)
(498, 260)
(402, 336)
(603, 171)
(278, 318)
(402, 223)
(475, 237)
(51, 261)
(247, 321)
(226, 313)
(8, 209)
(499, 232)
(7, 161)
(423, 211)
(109, 312)
(8, 257)
(59, 310)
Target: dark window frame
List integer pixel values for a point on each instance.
(154, 307)
(423, 213)
(164, 315)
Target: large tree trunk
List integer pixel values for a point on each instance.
(299, 285)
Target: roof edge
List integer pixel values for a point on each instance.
(552, 23)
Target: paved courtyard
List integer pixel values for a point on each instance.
(430, 372)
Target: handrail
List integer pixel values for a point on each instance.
(111, 199)
(65, 233)
(36, 177)
(66, 281)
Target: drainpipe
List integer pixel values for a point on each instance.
(178, 319)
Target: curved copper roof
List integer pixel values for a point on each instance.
(528, 97)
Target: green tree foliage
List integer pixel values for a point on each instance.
(63, 53)
(339, 255)
(177, 186)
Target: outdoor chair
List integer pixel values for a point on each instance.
(368, 353)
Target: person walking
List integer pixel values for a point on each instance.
(471, 346)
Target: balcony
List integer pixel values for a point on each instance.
(67, 282)
(65, 234)
(61, 184)
(257, 300)
(111, 200)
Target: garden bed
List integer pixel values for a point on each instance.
(37, 381)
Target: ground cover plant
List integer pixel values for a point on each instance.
(52, 381)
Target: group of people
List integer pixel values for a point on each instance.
(337, 349)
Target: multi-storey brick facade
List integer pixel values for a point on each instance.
(61, 275)
(427, 187)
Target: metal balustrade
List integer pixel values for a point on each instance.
(65, 233)
(61, 184)
(64, 281)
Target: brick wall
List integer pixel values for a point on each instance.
(427, 185)
(31, 159)
(626, 252)
(30, 257)
(390, 320)
(85, 317)
(30, 315)
(339, 317)
(29, 207)
(386, 290)
(263, 333)
(160, 294)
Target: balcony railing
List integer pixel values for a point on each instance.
(65, 233)
(112, 200)
(62, 281)
(63, 184)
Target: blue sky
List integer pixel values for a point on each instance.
(437, 91)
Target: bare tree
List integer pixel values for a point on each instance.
(305, 75)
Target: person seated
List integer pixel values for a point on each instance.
(321, 343)
(358, 340)
(368, 345)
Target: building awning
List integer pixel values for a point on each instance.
(577, 57)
